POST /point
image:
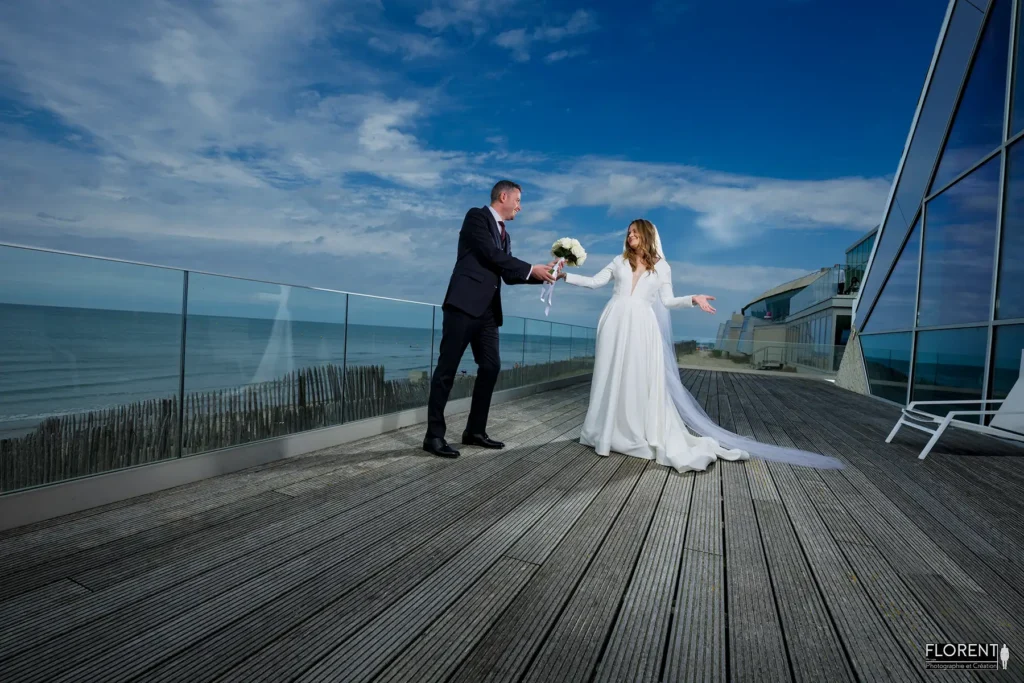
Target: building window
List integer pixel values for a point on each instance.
(895, 307)
(949, 365)
(856, 262)
(1009, 343)
(1017, 107)
(977, 127)
(959, 249)
(1010, 298)
(887, 361)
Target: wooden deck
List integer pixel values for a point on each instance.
(542, 562)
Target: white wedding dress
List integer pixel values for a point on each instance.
(638, 404)
(631, 411)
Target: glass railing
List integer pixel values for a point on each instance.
(106, 364)
(829, 285)
(765, 355)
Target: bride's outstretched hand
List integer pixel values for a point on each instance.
(702, 301)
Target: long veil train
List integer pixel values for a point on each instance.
(699, 421)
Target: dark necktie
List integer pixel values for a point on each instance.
(502, 224)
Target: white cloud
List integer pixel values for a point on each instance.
(559, 55)
(472, 15)
(519, 40)
(746, 279)
(412, 46)
(580, 22)
(730, 207)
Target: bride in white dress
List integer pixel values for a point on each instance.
(637, 401)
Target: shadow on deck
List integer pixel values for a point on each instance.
(542, 562)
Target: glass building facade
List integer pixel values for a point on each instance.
(940, 313)
(823, 288)
(818, 326)
(857, 263)
(775, 308)
(814, 340)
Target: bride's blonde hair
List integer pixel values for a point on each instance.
(645, 251)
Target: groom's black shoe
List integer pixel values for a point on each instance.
(439, 447)
(480, 440)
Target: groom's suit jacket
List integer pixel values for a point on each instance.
(484, 261)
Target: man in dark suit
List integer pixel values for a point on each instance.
(472, 315)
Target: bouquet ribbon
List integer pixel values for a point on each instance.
(547, 290)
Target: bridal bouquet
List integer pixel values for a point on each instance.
(568, 251)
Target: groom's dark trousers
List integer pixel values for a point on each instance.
(472, 316)
(460, 330)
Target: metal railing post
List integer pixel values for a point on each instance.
(181, 367)
(433, 324)
(523, 363)
(344, 362)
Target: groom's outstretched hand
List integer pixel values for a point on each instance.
(542, 273)
(702, 301)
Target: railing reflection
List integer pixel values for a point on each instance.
(116, 364)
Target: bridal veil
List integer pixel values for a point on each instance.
(699, 421)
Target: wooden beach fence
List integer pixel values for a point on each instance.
(77, 445)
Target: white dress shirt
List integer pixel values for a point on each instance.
(500, 221)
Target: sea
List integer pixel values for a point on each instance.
(58, 361)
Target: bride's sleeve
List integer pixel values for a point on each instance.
(600, 280)
(667, 297)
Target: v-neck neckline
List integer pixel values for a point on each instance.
(636, 279)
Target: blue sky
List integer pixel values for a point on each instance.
(339, 145)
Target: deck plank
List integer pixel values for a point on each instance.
(705, 524)
(41, 601)
(362, 656)
(813, 646)
(875, 654)
(510, 646)
(637, 644)
(574, 645)
(537, 545)
(757, 649)
(697, 653)
(435, 654)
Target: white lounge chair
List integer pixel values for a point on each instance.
(1007, 423)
